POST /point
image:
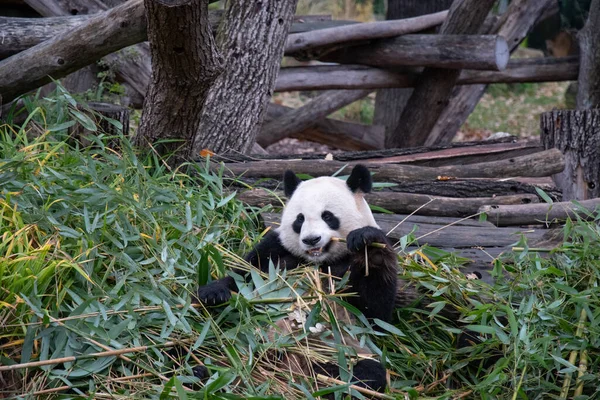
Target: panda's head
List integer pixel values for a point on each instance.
(322, 208)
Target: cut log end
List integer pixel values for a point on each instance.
(502, 53)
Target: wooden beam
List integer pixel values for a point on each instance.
(328, 77)
(542, 213)
(481, 52)
(539, 164)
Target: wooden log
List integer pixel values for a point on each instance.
(306, 116)
(19, 34)
(100, 35)
(533, 165)
(134, 71)
(514, 25)
(480, 52)
(336, 133)
(454, 236)
(366, 31)
(327, 77)
(460, 155)
(406, 203)
(542, 213)
(577, 134)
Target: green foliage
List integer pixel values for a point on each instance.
(100, 249)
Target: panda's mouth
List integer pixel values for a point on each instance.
(315, 252)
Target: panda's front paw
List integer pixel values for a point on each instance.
(361, 237)
(216, 292)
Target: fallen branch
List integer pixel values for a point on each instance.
(535, 214)
(539, 164)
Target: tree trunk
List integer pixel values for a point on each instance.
(389, 103)
(514, 25)
(252, 36)
(432, 93)
(588, 94)
(185, 63)
(577, 135)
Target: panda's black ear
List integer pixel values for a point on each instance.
(290, 183)
(360, 179)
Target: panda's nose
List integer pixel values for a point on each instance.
(311, 240)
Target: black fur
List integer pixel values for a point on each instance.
(297, 225)
(376, 292)
(290, 183)
(360, 179)
(368, 374)
(332, 221)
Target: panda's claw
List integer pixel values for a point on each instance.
(216, 292)
(361, 237)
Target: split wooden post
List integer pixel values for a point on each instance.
(577, 134)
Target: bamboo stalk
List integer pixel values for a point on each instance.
(61, 360)
(573, 356)
(375, 244)
(369, 392)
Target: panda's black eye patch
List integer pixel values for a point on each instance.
(297, 225)
(331, 220)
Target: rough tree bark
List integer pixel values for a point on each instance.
(588, 94)
(185, 63)
(389, 103)
(432, 93)
(252, 36)
(577, 134)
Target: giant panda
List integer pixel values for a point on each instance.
(318, 210)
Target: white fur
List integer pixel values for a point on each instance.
(311, 198)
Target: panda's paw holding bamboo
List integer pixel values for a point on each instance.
(359, 238)
(214, 293)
